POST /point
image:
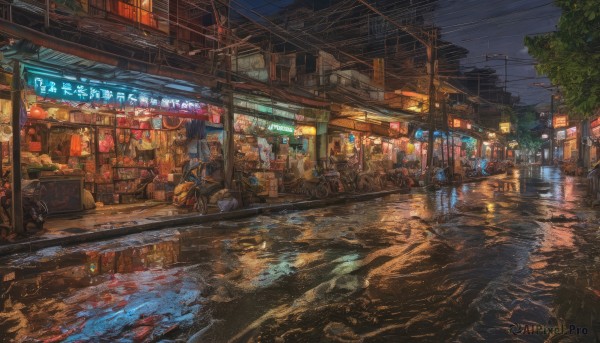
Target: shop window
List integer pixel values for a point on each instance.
(136, 10)
(139, 11)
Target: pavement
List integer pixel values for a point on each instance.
(119, 220)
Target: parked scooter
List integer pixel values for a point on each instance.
(34, 209)
(194, 190)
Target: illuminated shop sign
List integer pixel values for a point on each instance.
(458, 123)
(55, 88)
(595, 123)
(505, 127)
(302, 130)
(560, 121)
(560, 135)
(281, 128)
(400, 127)
(572, 132)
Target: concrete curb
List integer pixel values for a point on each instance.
(173, 221)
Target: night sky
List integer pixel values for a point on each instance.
(483, 27)
(499, 27)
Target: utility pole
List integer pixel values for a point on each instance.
(431, 59)
(489, 57)
(551, 153)
(17, 201)
(228, 146)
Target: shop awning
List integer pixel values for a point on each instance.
(354, 109)
(51, 63)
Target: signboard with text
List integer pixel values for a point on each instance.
(560, 120)
(63, 89)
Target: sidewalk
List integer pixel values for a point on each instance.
(119, 220)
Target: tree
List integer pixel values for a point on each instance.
(570, 56)
(525, 121)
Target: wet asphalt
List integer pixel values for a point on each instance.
(514, 258)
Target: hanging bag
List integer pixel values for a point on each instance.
(75, 146)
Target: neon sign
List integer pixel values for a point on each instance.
(281, 128)
(55, 88)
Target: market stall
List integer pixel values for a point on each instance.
(122, 143)
(268, 148)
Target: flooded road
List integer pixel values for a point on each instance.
(509, 259)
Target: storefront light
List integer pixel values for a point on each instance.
(545, 136)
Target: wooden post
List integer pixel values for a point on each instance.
(17, 201)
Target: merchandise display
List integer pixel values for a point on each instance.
(121, 155)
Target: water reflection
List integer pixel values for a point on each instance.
(459, 264)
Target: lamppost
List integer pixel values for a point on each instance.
(550, 122)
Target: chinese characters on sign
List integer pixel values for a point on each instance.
(561, 120)
(68, 90)
(505, 127)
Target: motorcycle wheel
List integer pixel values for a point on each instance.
(4, 232)
(321, 191)
(200, 204)
(335, 186)
(349, 186)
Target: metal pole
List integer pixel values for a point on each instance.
(228, 149)
(446, 126)
(17, 201)
(551, 155)
(431, 55)
(505, 72)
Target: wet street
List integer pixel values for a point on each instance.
(514, 258)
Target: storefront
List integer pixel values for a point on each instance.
(559, 136)
(385, 147)
(595, 141)
(112, 140)
(570, 144)
(267, 148)
(345, 142)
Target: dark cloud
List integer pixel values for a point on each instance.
(487, 27)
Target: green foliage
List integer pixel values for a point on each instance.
(570, 56)
(525, 121)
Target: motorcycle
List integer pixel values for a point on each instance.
(35, 210)
(194, 190)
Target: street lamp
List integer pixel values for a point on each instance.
(550, 116)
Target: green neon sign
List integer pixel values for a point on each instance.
(281, 128)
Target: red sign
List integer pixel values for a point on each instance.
(561, 120)
(399, 127)
(596, 122)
